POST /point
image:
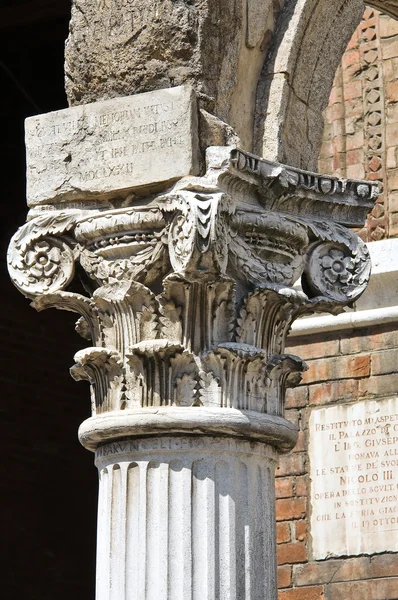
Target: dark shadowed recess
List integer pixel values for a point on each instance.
(48, 481)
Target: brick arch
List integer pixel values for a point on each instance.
(361, 119)
(297, 77)
(389, 7)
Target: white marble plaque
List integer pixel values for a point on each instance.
(112, 147)
(353, 453)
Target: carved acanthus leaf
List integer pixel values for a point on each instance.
(103, 368)
(193, 296)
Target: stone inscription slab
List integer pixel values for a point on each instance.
(354, 478)
(111, 147)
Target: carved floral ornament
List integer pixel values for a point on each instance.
(190, 292)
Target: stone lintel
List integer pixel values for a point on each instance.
(113, 147)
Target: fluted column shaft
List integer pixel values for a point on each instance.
(186, 517)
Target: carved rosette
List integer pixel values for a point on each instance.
(189, 293)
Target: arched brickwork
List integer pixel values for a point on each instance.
(296, 80)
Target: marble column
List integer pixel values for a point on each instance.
(186, 517)
(186, 296)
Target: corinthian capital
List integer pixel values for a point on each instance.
(189, 290)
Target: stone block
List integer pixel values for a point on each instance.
(110, 148)
(354, 479)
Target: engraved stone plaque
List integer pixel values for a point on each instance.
(354, 478)
(112, 147)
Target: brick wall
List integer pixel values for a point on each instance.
(361, 121)
(360, 141)
(342, 368)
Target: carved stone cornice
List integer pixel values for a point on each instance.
(190, 292)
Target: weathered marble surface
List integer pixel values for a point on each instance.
(131, 46)
(186, 517)
(353, 454)
(112, 147)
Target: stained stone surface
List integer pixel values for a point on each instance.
(354, 478)
(112, 146)
(132, 46)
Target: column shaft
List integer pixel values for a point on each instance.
(188, 517)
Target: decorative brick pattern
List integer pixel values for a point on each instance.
(360, 141)
(361, 120)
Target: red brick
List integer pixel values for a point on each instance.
(296, 397)
(388, 27)
(338, 111)
(389, 48)
(291, 464)
(284, 487)
(384, 362)
(355, 140)
(367, 340)
(284, 576)
(336, 391)
(283, 533)
(293, 416)
(342, 367)
(301, 486)
(290, 508)
(353, 108)
(350, 57)
(335, 95)
(391, 134)
(332, 571)
(392, 178)
(355, 171)
(371, 589)
(307, 348)
(378, 386)
(355, 157)
(308, 593)
(301, 443)
(385, 565)
(393, 224)
(301, 530)
(291, 553)
(353, 90)
(353, 43)
(325, 165)
(392, 112)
